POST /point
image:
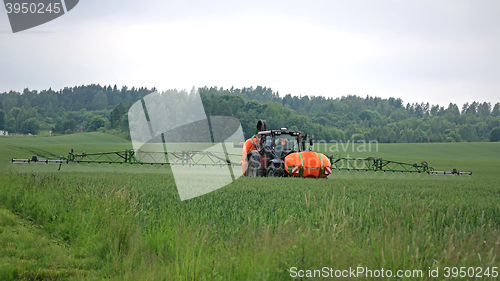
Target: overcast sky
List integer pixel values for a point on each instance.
(420, 51)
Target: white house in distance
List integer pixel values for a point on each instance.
(4, 133)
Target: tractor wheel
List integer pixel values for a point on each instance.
(253, 168)
(272, 172)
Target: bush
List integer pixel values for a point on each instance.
(495, 134)
(94, 122)
(30, 126)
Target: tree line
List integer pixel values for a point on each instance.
(104, 108)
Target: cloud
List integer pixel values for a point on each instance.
(423, 51)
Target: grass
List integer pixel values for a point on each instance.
(27, 146)
(130, 226)
(28, 253)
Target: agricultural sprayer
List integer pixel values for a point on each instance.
(269, 153)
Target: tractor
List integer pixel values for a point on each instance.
(282, 153)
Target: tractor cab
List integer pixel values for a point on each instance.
(280, 143)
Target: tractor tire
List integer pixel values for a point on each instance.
(253, 168)
(272, 172)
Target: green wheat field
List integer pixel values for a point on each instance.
(94, 222)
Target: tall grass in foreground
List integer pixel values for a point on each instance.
(134, 227)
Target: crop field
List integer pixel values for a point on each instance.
(93, 222)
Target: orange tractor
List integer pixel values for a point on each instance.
(282, 153)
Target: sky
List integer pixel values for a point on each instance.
(419, 51)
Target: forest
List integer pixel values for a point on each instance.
(104, 108)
